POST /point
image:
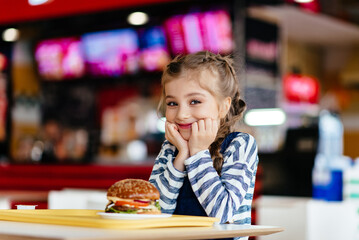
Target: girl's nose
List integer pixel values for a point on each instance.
(183, 112)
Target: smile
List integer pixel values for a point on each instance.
(184, 126)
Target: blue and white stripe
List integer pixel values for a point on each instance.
(227, 197)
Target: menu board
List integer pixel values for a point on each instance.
(200, 31)
(154, 55)
(262, 77)
(60, 58)
(127, 51)
(111, 53)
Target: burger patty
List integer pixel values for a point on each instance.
(124, 208)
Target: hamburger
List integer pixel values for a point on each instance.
(134, 196)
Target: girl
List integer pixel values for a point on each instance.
(204, 168)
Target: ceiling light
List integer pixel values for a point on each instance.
(10, 35)
(137, 18)
(265, 117)
(37, 2)
(303, 1)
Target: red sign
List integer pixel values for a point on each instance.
(312, 6)
(3, 62)
(301, 89)
(21, 11)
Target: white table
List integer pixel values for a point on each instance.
(27, 231)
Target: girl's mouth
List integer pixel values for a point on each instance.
(184, 126)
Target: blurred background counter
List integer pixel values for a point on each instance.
(31, 184)
(305, 218)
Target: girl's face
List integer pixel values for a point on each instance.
(187, 102)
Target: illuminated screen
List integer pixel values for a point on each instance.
(111, 53)
(194, 32)
(60, 58)
(154, 54)
(114, 53)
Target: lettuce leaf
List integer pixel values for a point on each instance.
(113, 210)
(157, 205)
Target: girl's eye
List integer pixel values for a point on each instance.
(195, 102)
(171, 104)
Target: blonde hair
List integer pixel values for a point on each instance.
(227, 85)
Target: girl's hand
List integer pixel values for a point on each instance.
(204, 133)
(174, 137)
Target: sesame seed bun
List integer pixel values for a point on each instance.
(133, 189)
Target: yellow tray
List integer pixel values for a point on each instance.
(90, 218)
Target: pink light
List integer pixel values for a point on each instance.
(175, 34)
(200, 31)
(192, 33)
(60, 58)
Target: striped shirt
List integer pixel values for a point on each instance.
(227, 197)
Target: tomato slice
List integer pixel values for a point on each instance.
(132, 203)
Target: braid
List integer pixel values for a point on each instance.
(217, 157)
(215, 148)
(238, 106)
(227, 126)
(235, 112)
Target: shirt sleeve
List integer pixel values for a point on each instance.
(222, 196)
(167, 179)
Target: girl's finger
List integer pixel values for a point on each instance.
(218, 122)
(169, 130)
(195, 128)
(208, 124)
(201, 125)
(216, 125)
(171, 126)
(173, 130)
(213, 127)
